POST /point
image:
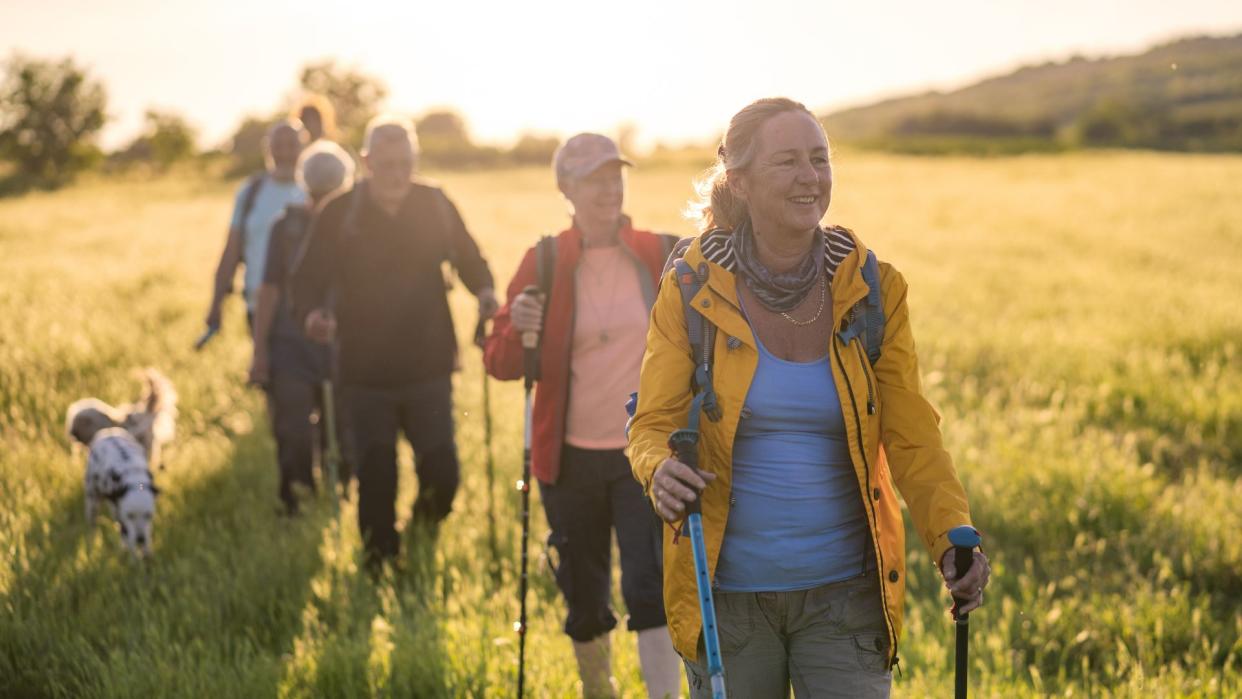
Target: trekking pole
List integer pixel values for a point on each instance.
(332, 450)
(480, 336)
(964, 540)
(332, 455)
(685, 444)
(530, 346)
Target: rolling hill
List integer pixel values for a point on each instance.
(1182, 95)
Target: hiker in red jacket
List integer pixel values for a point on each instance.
(599, 279)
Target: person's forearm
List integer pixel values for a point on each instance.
(264, 315)
(468, 259)
(226, 270)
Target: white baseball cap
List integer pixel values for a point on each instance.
(583, 154)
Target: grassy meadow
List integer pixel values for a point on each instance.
(1079, 329)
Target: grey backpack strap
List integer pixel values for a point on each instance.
(675, 252)
(866, 318)
(873, 316)
(702, 335)
(545, 264)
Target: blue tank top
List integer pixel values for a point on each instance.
(797, 519)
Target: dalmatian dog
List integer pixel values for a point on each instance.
(122, 443)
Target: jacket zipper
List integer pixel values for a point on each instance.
(865, 365)
(879, 553)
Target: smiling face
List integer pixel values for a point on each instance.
(598, 197)
(390, 160)
(788, 185)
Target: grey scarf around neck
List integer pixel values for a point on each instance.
(777, 292)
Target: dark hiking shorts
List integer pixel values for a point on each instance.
(595, 494)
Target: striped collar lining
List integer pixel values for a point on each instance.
(717, 246)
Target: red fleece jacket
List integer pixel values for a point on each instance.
(503, 351)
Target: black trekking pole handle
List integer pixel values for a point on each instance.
(530, 343)
(685, 446)
(480, 332)
(964, 540)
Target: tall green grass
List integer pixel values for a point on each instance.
(1078, 328)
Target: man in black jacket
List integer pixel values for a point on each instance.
(370, 276)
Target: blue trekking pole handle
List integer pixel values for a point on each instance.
(964, 540)
(685, 445)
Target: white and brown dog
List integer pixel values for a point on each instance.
(123, 442)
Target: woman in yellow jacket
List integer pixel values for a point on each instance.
(804, 533)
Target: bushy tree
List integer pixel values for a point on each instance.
(1109, 123)
(532, 149)
(172, 137)
(442, 125)
(445, 142)
(49, 113)
(246, 146)
(167, 139)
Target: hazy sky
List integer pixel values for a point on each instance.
(676, 69)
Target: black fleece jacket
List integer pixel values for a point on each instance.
(382, 277)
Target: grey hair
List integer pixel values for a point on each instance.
(388, 127)
(715, 205)
(324, 167)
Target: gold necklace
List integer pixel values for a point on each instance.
(823, 296)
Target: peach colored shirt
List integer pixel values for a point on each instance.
(610, 334)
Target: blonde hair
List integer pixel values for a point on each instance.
(321, 106)
(715, 205)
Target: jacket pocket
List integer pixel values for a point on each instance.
(871, 650)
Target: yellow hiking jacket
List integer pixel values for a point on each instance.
(912, 461)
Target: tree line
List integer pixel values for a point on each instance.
(52, 111)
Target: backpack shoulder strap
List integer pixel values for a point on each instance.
(675, 251)
(545, 264)
(702, 335)
(866, 318)
(253, 184)
(668, 241)
(873, 315)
